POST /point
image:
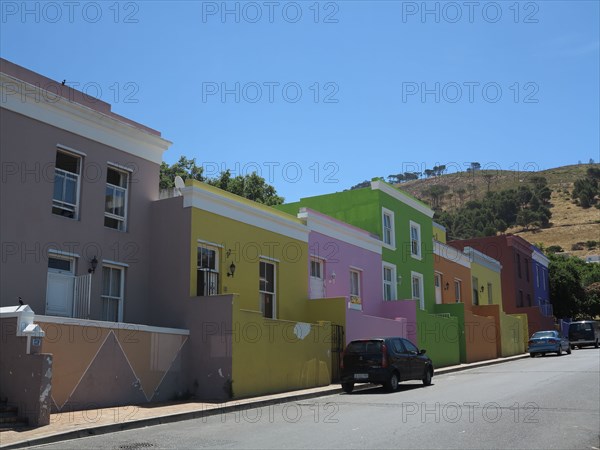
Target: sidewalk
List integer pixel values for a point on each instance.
(78, 424)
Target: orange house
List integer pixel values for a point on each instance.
(454, 294)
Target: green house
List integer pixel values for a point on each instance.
(405, 227)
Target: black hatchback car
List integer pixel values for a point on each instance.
(385, 361)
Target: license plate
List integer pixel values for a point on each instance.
(361, 376)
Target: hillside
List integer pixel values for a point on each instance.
(570, 223)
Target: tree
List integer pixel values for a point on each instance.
(475, 166)
(488, 177)
(185, 168)
(574, 287)
(361, 185)
(585, 191)
(252, 186)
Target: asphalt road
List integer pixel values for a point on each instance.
(544, 403)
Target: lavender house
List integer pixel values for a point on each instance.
(345, 280)
(541, 280)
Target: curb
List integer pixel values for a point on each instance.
(199, 414)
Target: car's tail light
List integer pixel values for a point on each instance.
(552, 341)
(384, 357)
(530, 342)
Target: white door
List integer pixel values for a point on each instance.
(59, 294)
(60, 287)
(317, 278)
(438, 288)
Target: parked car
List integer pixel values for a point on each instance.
(584, 332)
(543, 342)
(385, 361)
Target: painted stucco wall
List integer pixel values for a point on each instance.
(278, 355)
(362, 326)
(339, 257)
(451, 271)
(514, 332)
(440, 337)
(363, 208)
(401, 309)
(25, 379)
(541, 280)
(98, 365)
(247, 244)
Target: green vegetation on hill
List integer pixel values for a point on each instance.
(527, 206)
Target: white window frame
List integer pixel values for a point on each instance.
(61, 204)
(120, 299)
(458, 284)
(202, 245)
(392, 230)
(274, 293)
(72, 260)
(417, 226)
(421, 296)
(321, 263)
(122, 220)
(391, 283)
(358, 274)
(475, 291)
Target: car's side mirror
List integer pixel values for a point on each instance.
(422, 352)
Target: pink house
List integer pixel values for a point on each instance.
(346, 280)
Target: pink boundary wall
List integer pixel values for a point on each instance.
(360, 326)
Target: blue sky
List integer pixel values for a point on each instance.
(319, 96)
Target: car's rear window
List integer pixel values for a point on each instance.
(364, 347)
(541, 334)
(586, 326)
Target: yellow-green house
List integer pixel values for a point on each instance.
(245, 269)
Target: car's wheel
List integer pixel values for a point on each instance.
(568, 350)
(543, 354)
(596, 344)
(348, 387)
(392, 384)
(427, 377)
(572, 347)
(532, 355)
(559, 352)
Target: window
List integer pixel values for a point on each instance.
(316, 268)
(543, 279)
(410, 347)
(417, 288)
(65, 200)
(527, 269)
(389, 237)
(207, 282)
(61, 265)
(457, 290)
(266, 288)
(112, 293)
(520, 299)
(389, 284)
(537, 275)
(355, 283)
(519, 265)
(475, 283)
(415, 240)
(490, 294)
(115, 204)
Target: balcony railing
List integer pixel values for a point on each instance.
(207, 283)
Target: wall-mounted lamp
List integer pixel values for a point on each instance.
(231, 270)
(482, 288)
(93, 265)
(447, 286)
